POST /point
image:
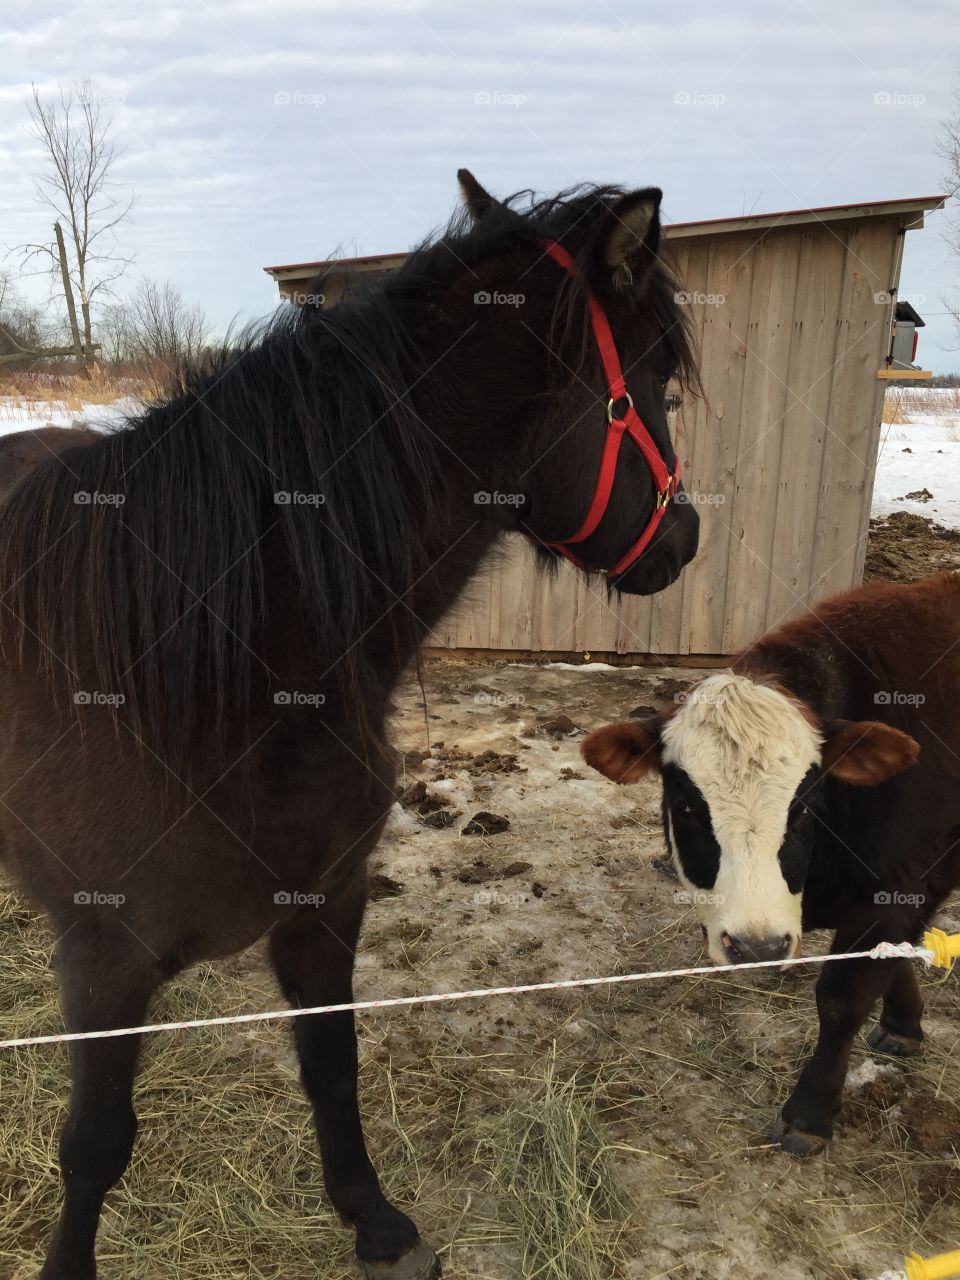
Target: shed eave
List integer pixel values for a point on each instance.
(909, 211)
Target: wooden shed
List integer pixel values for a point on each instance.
(794, 315)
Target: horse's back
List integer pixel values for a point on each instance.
(23, 451)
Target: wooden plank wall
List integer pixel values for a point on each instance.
(783, 448)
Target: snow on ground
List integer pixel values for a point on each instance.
(27, 415)
(921, 454)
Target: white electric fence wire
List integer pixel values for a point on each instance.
(882, 951)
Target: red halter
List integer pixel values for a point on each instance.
(630, 423)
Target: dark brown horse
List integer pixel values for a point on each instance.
(204, 616)
(22, 451)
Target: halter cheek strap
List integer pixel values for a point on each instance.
(622, 419)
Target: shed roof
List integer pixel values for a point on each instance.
(911, 209)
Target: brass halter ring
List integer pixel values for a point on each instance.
(611, 402)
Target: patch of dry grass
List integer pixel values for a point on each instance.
(893, 413)
(68, 391)
(551, 1158)
(901, 403)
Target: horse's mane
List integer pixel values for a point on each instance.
(169, 587)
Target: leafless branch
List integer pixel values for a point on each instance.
(77, 186)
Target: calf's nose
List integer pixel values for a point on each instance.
(742, 948)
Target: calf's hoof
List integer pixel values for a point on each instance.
(418, 1263)
(796, 1140)
(893, 1043)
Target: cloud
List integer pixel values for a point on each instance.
(260, 133)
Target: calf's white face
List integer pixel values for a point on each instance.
(741, 763)
(733, 759)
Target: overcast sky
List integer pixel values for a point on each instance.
(270, 131)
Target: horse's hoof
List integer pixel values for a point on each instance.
(795, 1141)
(892, 1043)
(418, 1263)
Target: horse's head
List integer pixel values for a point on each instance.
(592, 333)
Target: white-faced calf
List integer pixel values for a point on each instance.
(816, 784)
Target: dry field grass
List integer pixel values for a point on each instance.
(71, 392)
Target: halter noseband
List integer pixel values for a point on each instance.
(627, 422)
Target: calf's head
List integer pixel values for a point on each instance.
(742, 765)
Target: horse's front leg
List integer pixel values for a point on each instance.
(105, 982)
(313, 954)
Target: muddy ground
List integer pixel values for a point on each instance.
(903, 547)
(575, 886)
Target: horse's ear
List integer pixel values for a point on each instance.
(624, 752)
(630, 235)
(477, 200)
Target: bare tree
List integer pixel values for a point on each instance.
(24, 333)
(948, 149)
(77, 185)
(156, 324)
(113, 332)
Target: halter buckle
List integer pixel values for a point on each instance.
(664, 497)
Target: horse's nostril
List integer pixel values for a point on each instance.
(746, 948)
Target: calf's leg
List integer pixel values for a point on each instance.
(104, 984)
(899, 1031)
(313, 954)
(846, 992)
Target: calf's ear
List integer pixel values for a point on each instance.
(624, 752)
(865, 752)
